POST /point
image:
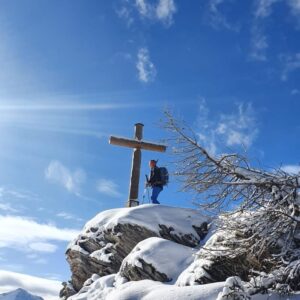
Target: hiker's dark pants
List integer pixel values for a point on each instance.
(155, 192)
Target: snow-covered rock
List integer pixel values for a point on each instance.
(234, 290)
(139, 253)
(156, 259)
(96, 288)
(19, 294)
(109, 237)
(217, 261)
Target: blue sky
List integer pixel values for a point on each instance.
(74, 72)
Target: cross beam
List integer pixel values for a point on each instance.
(137, 144)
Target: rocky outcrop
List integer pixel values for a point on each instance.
(108, 238)
(67, 290)
(104, 254)
(143, 271)
(221, 258)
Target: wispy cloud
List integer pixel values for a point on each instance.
(36, 259)
(108, 187)
(161, 11)
(217, 19)
(45, 288)
(56, 172)
(143, 7)
(295, 92)
(7, 208)
(43, 247)
(13, 200)
(13, 193)
(146, 69)
(264, 8)
(259, 43)
(66, 117)
(59, 106)
(238, 128)
(233, 129)
(68, 216)
(125, 11)
(295, 7)
(291, 169)
(25, 234)
(291, 63)
(259, 40)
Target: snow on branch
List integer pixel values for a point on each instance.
(260, 206)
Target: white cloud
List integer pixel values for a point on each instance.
(25, 234)
(295, 92)
(45, 288)
(165, 11)
(108, 187)
(58, 173)
(238, 128)
(146, 69)
(292, 169)
(143, 7)
(291, 63)
(233, 129)
(155, 11)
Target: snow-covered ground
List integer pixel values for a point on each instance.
(106, 288)
(149, 216)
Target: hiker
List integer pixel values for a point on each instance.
(155, 181)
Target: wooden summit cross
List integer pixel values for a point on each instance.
(138, 145)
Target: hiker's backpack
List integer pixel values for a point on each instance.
(164, 175)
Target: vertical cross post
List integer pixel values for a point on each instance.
(135, 168)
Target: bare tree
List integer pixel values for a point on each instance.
(263, 206)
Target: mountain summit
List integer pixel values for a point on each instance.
(19, 294)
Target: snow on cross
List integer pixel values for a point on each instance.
(137, 144)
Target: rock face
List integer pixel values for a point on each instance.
(108, 238)
(219, 263)
(156, 259)
(104, 254)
